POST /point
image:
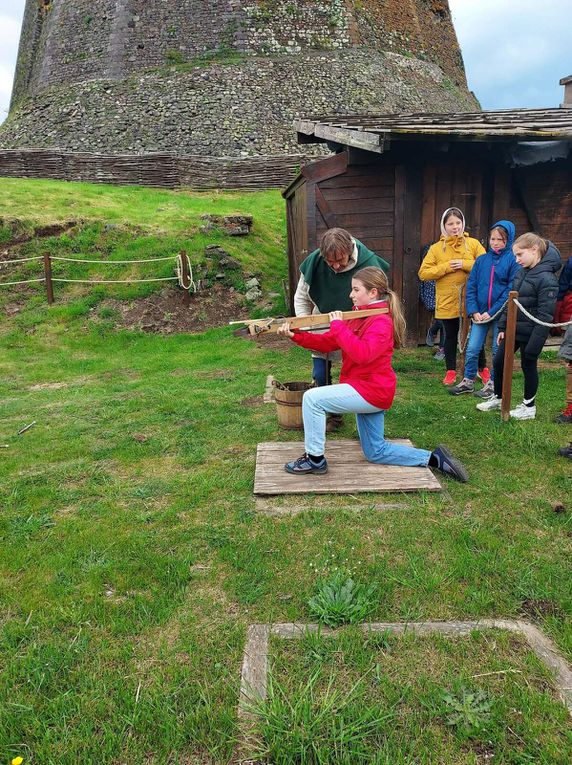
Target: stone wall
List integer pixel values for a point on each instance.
(242, 109)
(69, 41)
(223, 78)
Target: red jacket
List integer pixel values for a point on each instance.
(367, 348)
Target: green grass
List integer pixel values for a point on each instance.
(134, 555)
(411, 700)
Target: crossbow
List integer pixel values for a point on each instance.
(315, 321)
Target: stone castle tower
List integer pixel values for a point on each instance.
(223, 77)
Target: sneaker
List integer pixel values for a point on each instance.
(440, 355)
(486, 391)
(494, 402)
(430, 338)
(484, 374)
(565, 416)
(566, 451)
(304, 465)
(465, 386)
(523, 412)
(450, 377)
(449, 465)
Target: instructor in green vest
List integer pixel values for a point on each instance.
(324, 286)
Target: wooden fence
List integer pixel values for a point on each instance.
(163, 170)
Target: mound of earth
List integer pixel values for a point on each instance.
(165, 312)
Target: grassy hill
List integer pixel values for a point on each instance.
(135, 555)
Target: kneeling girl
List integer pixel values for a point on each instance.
(367, 382)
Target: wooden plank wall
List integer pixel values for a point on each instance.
(540, 200)
(360, 200)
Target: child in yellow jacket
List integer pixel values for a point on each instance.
(449, 262)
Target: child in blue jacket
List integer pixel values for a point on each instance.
(487, 290)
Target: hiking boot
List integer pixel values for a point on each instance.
(304, 465)
(334, 422)
(449, 465)
(484, 374)
(450, 377)
(566, 451)
(465, 386)
(486, 391)
(494, 402)
(440, 355)
(523, 412)
(565, 417)
(430, 338)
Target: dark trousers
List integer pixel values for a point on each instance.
(528, 365)
(451, 327)
(437, 329)
(321, 371)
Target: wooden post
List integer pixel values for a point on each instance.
(509, 336)
(48, 277)
(185, 277)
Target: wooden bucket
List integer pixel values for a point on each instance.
(288, 397)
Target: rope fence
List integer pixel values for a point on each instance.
(183, 271)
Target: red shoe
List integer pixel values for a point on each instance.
(484, 374)
(450, 378)
(565, 416)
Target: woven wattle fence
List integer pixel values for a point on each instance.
(163, 170)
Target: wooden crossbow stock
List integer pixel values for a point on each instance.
(315, 321)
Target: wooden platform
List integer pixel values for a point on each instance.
(349, 472)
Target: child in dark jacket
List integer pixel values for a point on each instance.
(487, 290)
(537, 288)
(367, 382)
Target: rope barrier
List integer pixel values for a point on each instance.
(26, 281)
(19, 260)
(493, 317)
(115, 281)
(539, 321)
(111, 262)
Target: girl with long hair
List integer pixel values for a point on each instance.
(367, 382)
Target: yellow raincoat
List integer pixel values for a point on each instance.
(449, 284)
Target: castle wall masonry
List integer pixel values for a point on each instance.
(223, 77)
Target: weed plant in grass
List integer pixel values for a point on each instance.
(341, 600)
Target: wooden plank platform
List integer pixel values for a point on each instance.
(349, 472)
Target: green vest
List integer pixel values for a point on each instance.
(330, 291)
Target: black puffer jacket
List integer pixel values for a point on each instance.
(537, 290)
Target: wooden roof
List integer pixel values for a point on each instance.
(372, 131)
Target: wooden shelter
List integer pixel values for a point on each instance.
(393, 174)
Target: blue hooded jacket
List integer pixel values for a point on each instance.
(492, 275)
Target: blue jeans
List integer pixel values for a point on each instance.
(475, 344)
(342, 398)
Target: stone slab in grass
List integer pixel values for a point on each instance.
(349, 472)
(255, 662)
(261, 637)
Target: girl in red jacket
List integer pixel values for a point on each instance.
(367, 382)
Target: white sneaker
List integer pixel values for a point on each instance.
(523, 412)
(494, 402)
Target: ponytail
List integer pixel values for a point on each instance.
(374, 278)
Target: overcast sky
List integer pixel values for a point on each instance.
(515, 51)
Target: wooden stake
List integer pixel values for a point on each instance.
(509, 337)
(48, 276)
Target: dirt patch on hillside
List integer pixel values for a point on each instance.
(165, 312)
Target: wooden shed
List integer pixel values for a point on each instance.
(393, 175)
